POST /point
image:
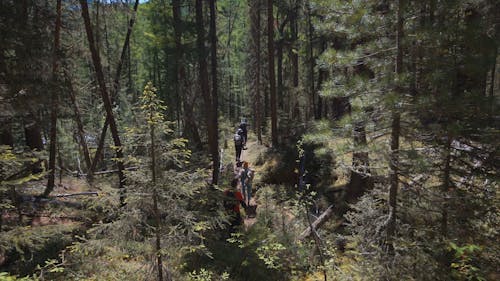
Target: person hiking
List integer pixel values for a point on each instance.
(232, 201)
(238, 144)
(246, 177)
(243, 127)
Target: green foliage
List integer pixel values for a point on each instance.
(463, 267)
(33, 248)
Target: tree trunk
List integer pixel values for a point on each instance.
(79, 125)
(181, 84)
(204, 85)
(255, 6)
(215, 97)
(360, 180)
(54, 104)
(156, 210)
(294, 57)
(396, 127)
(176, 12)
(312, 62)
(116, 89)
(106, 99)
(272, 78)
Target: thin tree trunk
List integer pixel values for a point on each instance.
(116, 89)
(294, 54)
(204, 85)
(181, 84)
(360, 180)
(272, 77)
(54, 104)
(255, 6)
(106, 99)
(312, 63)
(215, 96)
(396, 127)
(155, 202)
(79, 125)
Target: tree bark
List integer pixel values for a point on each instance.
(116, 88)
(360, 180)
(54, 104)
(255, 65)
(272, 77)
(312, 63)
(106, 99)
(181, 84)
(79, 125)
(215, 96)
(396, 127)
(204, 85)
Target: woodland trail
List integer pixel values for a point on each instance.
(248, 155)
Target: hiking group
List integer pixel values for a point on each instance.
(240, 191)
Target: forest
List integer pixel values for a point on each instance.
(249, 140)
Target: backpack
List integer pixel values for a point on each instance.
(250, 175)
(238, 140)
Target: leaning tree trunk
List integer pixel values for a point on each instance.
(54, 104)
(106, 99)
(79, 125)
(116, 88)
(396, 127)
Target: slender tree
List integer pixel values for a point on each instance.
(396, 128)
(204, 87)
(214, 148)
(190, 126)
(255, 65)
(105, 97)
(272, 76)
(116, 87)
(54, 104)
(79, 125)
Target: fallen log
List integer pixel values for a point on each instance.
(77, 194)
(317, 223)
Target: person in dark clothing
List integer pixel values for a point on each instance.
(232, 201)
(243, 127)
(238, 144)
